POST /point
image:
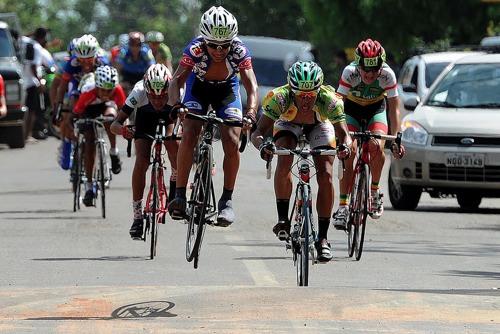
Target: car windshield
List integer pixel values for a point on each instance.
(468, 86)
(6, 48)
(269, 72)
(432, 70)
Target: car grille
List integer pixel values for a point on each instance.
(418, 170)
(455, 141)
(486, 174)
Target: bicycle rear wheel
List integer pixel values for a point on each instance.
(154, 213)
(76, 173)
(101, 178)
(303, 256)
(198, 204)
(352, 227)
(361, 210)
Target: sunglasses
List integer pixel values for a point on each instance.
(305, 94)
(370, 70)
(216, 46)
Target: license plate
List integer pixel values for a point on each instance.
(471, 160)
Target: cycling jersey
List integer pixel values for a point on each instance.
(196, 56)
(73, 72)
(139, 66)
(279, 104)
(357, 91)
(90, 98)
(164, 53)
(146, 117)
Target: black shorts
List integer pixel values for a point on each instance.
(94, 110)
(364, 114)
(132, 78)
(146, 121)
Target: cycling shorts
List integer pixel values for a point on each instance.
(146, 121)
(374, 116)
(224, 97)
(319, 134)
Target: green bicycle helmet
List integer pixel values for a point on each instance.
(305, 76)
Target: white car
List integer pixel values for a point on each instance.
(419, 72)
(452, 139)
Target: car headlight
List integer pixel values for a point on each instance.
(414, 133)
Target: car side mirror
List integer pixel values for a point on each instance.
(411, 88)
(411, 103)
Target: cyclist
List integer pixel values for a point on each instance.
(133, 61)
(304, 105)
(160, 50)
(210, 63)
(105, 98)
(86, 58)
(149, 100)
(364, 86)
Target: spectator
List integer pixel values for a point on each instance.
(3, 104)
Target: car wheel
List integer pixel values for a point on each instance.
(16, 137)
(403, 197)
(469, 201)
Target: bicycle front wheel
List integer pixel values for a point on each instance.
(305, 242)
(154, 213)
(361, 210)
(102, 178)
(76, 173)
(198, 204)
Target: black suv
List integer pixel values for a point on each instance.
(11, 69)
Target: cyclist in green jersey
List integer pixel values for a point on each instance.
(303, 106)
(160, 50)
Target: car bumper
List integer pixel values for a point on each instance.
(425, 166)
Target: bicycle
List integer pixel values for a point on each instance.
(156, 201)
(101, 175)
(201, 207)
(303, 235)
(360, 204)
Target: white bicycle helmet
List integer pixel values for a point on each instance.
(86, 46)
(106, 77)
(154, 36)
(157, 79)
(218, 25)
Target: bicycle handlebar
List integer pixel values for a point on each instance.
(368, 135)
(211, 118)
(158, 135)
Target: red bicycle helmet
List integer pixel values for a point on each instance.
(370, 54)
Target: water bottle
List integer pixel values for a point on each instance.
(65, 156)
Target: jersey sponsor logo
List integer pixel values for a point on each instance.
(196, 50)
(193, 105)
(133, 101)
(246, 64)
(187, 61)
(239, 52)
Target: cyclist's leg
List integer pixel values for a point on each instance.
(285, 135)
(377, 124)
(116, 165)
(341, 216)
(230, 136)
(89, 159)
(172, 148)
(143, 152)
(323, 135)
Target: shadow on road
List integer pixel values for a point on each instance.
(492, 275)
(34, 211)
(152, 309)
(464, 292)
(451, 209)
(32, 192)
(102, 258)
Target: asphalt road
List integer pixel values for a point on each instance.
(434, 270)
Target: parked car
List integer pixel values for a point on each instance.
(452, 139)
(12, 125)
(271, 59)
(419, 72)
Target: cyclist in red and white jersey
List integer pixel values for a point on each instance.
(104, 99)
(365, 85)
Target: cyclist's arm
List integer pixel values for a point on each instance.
(63, 87)
(178, 80)
(250, 83)
(116, 126)
(264, 127)
(394, 114)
